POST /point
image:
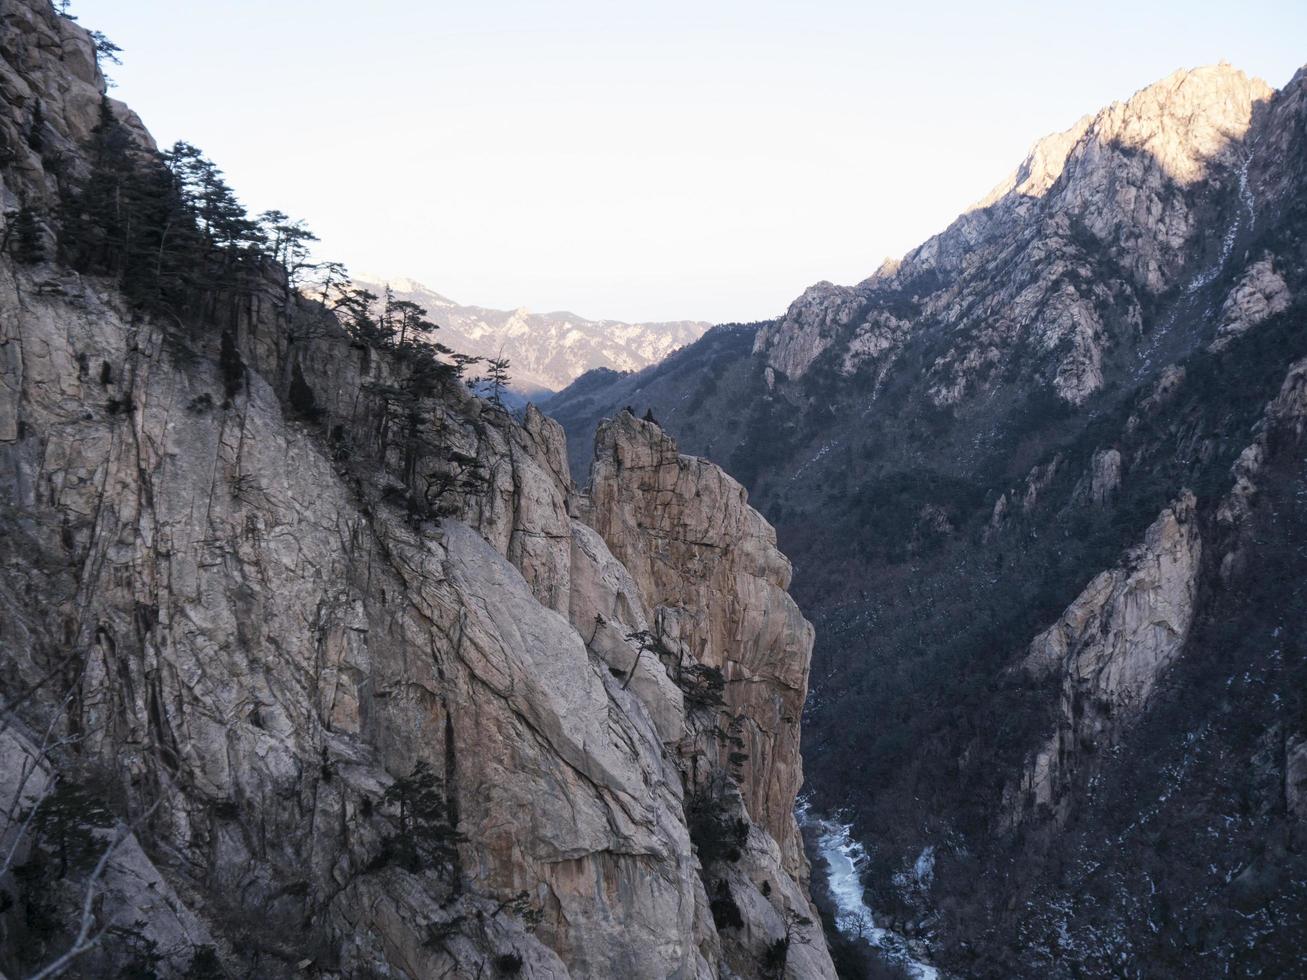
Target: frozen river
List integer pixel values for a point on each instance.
(845, 857)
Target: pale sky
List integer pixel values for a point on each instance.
(642, 161)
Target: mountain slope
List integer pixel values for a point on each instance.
(548, 350)
(1012, 471)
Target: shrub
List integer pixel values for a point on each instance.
(713, 831)
(725, 910)
(775, 956)
(508, 964)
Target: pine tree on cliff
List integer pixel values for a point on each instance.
(127, 220)
(288, 243)
(353, 307)
(105, 50)
(412, 323)
(168, 227)
(497, 377)
(92, 227)
(425, 838)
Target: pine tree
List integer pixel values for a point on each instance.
(497, 377)
(67, 824)
(332, 276)
(288, 244)
(462, 362)
(105, 50)
(426, 837)
(353, 307)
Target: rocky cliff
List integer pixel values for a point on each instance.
(1110, 649)
(336, 657)
(663, 513)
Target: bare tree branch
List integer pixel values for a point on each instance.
(31, 764)
(7, 710)
(85, 940)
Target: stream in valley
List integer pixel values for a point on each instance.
(845, 857)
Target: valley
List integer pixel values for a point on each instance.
(948, 625)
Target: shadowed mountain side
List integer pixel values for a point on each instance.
(680, 386)
(982, 443)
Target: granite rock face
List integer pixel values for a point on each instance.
(707, 565)
(811, 324)
(1057, 262)
(1110, 650)
(1259, 294)
(254, 634)
(1105, 475)
(51, 85)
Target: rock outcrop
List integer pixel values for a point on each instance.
(707, 565)
(1110, 649)
(703, 574)
(1259, 294)
(251, 634)
(1296, 778)
(812, 323)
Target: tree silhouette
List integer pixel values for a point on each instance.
(496, 378)
(425, 837)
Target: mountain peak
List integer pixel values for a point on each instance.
(1118, 176)
(1185, 121)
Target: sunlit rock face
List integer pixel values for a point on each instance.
(244, 627)
(707, 564)
(1111, 189)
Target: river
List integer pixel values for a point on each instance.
(854, 917)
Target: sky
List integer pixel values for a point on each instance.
(645, 161)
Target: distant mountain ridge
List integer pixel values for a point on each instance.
(548, 350)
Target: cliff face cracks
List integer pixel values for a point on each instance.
(256, 640)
